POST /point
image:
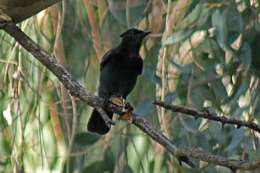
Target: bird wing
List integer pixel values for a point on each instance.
(139, 65)
(106, 58)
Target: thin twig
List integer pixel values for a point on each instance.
(77, 90)
(211, 116)
(199, 154)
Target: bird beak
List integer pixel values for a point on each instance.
(144, 34)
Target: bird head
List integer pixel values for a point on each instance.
(134, 34)
(132, 38)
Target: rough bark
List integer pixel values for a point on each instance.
(19, 10)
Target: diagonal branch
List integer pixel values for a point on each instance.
(211, 116)
(77, 90)
(105, 117)
(193, 152)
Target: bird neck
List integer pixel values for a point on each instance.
(129, 47)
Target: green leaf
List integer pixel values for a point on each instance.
(197, 16)
(233, 18)
(204, 15)
(95, 167)
(237, 137)
(192, 16)
(238, 89)
(177, 37)
(219, 22)
(127, 169)
(225, 34)
(200, 94)
(246, 55)
(109, 160)
(219, 91)
(85, 139)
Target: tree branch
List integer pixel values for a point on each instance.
(79, 91)
(193, 152)
(105, 117)
(211, 116)
(17, 10)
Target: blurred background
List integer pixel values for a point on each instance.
(203, 54)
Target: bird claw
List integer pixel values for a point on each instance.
(126, 108)
(120, 102)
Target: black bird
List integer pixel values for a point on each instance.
(119, 68)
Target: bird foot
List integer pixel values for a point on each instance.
(126, 108)
(120, 102)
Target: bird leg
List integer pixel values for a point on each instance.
(126, 108)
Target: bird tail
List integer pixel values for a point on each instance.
(186, 160)
(97, 124)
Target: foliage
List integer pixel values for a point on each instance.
(203, 54)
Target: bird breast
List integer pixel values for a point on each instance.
(119, 77)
